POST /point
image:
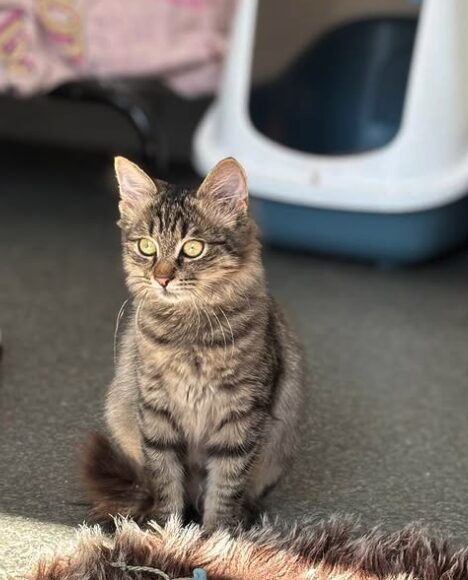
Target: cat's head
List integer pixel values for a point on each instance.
(187, 245)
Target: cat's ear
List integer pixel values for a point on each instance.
(136, 188)
(225, 192)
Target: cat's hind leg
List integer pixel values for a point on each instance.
(282, 429)
(122, 420)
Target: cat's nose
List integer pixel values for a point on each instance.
(163, 280)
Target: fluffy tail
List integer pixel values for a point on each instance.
(114, 483)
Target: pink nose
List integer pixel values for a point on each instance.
(163, 281)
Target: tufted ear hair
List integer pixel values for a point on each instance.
(136, 188)
(224, 191)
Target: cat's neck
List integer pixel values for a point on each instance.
(198, 321)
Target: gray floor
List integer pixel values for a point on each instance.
(386, 429)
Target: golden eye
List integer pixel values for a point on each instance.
(193, 248)
(147, 247)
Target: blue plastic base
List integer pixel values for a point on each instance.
(385, 238)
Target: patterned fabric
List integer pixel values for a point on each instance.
(44, 43)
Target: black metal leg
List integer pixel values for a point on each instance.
(154, 147)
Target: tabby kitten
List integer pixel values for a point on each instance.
(204, 404)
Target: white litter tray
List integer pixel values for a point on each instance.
(367, 156)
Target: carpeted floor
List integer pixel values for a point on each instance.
(386, 430)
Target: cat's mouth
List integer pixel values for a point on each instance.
(173, 291)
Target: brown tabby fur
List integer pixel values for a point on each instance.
(330, 550)
(204, 405)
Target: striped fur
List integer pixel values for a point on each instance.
(330, 550)
(208, 383)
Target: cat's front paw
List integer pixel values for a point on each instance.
(161, 517)
(213, 522)
(211, 525)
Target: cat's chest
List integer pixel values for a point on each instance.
(190, 382)
(196, 398)
(195, 366)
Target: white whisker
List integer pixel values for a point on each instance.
(210, 323)
(117, 324)
(139, 307)
(230, 330)
(197, 310)
(222, 331)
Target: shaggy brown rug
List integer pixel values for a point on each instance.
(329, 550)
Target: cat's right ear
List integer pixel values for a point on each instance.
(136, 189)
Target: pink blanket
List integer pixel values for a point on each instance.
(44, 43)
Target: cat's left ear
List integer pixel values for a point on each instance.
(136, 188)
(225, 192)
